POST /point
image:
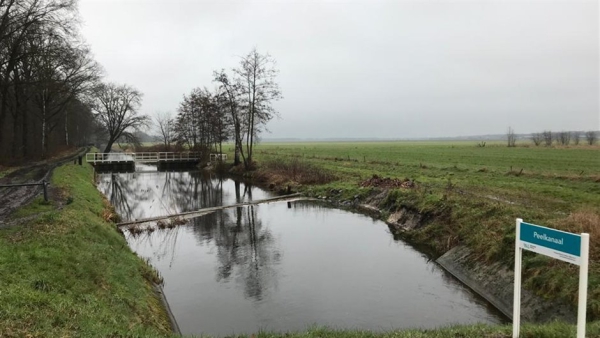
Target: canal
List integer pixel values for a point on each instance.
(272, 267)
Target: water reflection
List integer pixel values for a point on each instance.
(149, 193)
(268, 267)
(245, 250)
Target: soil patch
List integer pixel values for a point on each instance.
(13, 197)
(386, 182)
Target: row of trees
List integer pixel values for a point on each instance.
(44, 69)
(548, 138)
(564, 138)
(236, 110)
(51, 95)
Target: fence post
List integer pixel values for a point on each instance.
(44, 184)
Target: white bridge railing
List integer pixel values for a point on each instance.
(147, 157)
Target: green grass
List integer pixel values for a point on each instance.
(551, 330)
(559, 180)
(70, 273)
(559, 176)
(473, 195)
(35, 207)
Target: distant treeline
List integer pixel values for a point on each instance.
(564, 138)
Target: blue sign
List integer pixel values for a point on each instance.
(565, 246)
(554, 239)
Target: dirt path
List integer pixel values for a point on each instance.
(14, 197)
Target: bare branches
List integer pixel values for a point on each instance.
(547, 135)
(511, 137)
(247, 98)
(256, 81)
(591, 137)
(203, 122)
(537, 138)
(165, 124)
(116, 108)
(564, 137)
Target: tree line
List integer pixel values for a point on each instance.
(549, 138)
(236, 110)
(564, 138)
(51, 93)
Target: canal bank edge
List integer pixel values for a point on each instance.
(72, 264)
(161, 293)
(493, 282)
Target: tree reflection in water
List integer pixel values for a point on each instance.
(147, 194)
(246, 251)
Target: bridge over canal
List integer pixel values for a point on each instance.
(127, 161)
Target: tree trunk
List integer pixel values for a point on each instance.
(44, 130)
(109, 145)
(66, 129)
(25, 134)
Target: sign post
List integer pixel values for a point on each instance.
(565, 246)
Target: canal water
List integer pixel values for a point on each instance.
(274, 268)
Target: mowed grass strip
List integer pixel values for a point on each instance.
(70, 273)
(549, 330)
(472, 196)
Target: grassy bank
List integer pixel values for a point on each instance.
(68, 272)
(469, 194)
(553, 330)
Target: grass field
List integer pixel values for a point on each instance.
(557, 179)
(474, 195)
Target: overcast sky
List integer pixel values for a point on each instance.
(389, 69)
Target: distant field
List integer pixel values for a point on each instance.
(553, 177)
(476, 193)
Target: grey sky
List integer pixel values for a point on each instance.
(394, 69)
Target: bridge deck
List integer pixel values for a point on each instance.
(145, 157)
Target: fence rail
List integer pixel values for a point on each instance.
(43, 183)
(147, 157)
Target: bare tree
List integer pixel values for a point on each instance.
(165, 124)
(537, 138)
(230, 100)
(576, 136)
(203, 121)
(564, 137)
(65, 73)
(256, 78)
(116, 108)
(591, 137)
(547, 134)
(511, 137)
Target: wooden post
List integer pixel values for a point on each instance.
(45, 184)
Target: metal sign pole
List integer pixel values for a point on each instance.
(517, 292)
(565, 246)
(583, 284)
